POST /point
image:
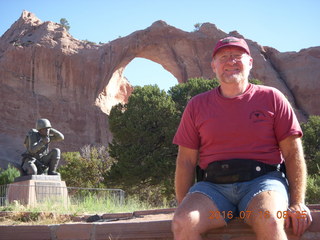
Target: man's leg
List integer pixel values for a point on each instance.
(194, 216)
(268, 211)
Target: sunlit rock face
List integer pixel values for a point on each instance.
(45, 72)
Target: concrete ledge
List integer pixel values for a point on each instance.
(142, 227)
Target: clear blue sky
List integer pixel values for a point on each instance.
(287, 25)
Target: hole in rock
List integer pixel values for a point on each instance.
(140, 72)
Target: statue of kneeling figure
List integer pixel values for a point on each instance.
(37, 159)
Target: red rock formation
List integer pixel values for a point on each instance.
(301, 74)
(45, 72)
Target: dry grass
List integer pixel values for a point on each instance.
(33, 218)
(47, 213)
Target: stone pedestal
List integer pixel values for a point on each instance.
(34, 189)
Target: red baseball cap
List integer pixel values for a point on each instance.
(231, 41)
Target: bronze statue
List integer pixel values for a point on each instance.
(38, 159)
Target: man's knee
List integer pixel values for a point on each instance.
(265, 216)
(267, 221)
(269, 228)
(187, 216)
(191, 217)
(177, 223)
(183, 219)
(186, 223)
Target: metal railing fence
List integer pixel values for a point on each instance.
(52, 193)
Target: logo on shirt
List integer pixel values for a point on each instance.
(257, 116)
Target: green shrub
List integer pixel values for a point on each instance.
(86, 169)
(311, 145)
(7, 176)
(313, 189)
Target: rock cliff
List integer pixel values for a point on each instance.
(45, 72)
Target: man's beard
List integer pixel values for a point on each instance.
(235, 78)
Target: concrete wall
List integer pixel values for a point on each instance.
(142, 225)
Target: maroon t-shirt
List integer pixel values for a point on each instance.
(248, 126)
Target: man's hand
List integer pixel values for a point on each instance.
(300, 217)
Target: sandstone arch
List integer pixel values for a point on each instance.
(118, 89)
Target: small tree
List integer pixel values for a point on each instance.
(182, 93)
(7, 176)
(255, 81)
(313, 189)
(311, 144)
(86, 169)
(197, 26)
(142, 133)
(64, 22)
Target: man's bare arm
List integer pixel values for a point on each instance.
(292, 151)
(185, 171)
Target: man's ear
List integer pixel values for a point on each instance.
(251, 62)
(213, 67)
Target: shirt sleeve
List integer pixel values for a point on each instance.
(187, 134)
(286, 122)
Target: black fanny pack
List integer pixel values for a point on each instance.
(237, 170)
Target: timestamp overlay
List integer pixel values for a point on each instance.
(248, 214)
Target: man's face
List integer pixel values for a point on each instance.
(44, 131)
(231, 65)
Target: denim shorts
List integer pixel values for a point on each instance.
(235, 197)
